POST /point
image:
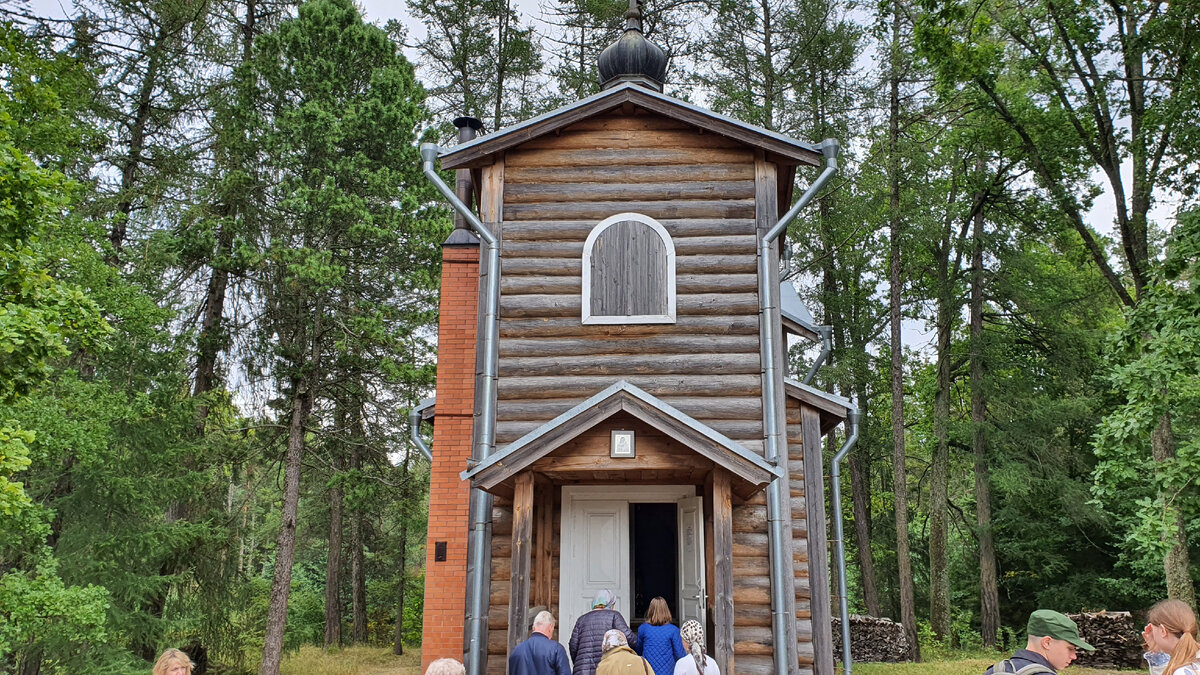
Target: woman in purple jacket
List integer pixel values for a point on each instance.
(658, 639)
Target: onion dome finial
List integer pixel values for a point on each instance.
(633, 58)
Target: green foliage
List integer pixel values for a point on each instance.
(43, 318)
(1154, 371)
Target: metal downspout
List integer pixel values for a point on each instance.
(768, 305)
(855, 416)
(480, 509)
(826, 347)
(414, 427)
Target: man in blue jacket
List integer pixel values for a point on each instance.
(540, 654)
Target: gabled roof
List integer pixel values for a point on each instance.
(751, 468)
(781, 148)
(833, 408)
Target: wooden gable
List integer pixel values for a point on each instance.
(779, 148)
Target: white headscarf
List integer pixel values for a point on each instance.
(614, 638)
(693, 634)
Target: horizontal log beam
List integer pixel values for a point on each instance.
(626, 174)
(743, 244)
(684, 325)
(578, 230)
(631, 140)
(624, 157)
(707, 407)
(628, 364)
(656, 385)
(542, 193)
(723, 304)
(697, 208)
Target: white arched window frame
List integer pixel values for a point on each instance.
(668, 246)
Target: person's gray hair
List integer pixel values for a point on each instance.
(446, 667)
(543, 618)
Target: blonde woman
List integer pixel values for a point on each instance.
(1170, 636)
(173, 662)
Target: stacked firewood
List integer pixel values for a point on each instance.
(872, 640)
(1116, 637)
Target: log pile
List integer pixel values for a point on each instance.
(872, 640)
(1116, 637)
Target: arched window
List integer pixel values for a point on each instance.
(628, 272)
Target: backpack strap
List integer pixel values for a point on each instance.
(1006, 666)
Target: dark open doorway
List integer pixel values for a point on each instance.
(654, 532)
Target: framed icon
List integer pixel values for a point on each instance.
(622, 444)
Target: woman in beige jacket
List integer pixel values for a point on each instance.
(619, 659)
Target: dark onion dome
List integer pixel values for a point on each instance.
(633, 58)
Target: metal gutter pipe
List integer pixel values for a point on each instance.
(475, 649)
(414, 427)
(855, 416)
(826, 347)
(777, 492)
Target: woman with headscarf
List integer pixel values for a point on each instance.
(588, 634)
(696, 662)
(619, 659)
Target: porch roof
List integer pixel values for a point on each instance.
(833, 409)
(748, 468)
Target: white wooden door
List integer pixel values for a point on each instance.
(595, 556)
(692, 593)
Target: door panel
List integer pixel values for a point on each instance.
(692, 594)
(595, 545)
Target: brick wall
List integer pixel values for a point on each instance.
(446, 581)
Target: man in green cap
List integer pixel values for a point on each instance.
(1053, 639)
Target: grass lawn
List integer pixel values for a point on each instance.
(351, 661)
(374, 661)
(966, 667)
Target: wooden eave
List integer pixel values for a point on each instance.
(832, 408)
(750, 471)
(799, 328)
(781, 149)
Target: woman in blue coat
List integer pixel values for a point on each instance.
(658, 639)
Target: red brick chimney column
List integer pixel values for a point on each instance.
(449, 496)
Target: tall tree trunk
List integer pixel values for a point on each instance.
(285, 546)
(358, 570)
(908, 612)
(211, 339)
(1176, 563)
(860, 489)
(333, 568)
(939, 508)
(989, 592)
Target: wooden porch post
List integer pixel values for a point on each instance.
(723, 565)
(543, 568)
(522, 534)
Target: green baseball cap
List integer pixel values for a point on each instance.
(1049, 623)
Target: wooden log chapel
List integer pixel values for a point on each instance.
(613, 408)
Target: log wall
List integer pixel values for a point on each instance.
(700, 187)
